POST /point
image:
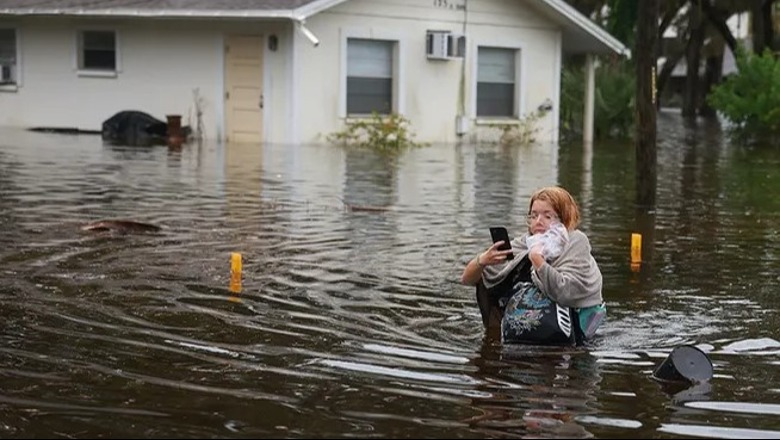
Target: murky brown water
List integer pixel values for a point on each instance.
(352, 323)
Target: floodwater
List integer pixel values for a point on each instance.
(349, 320)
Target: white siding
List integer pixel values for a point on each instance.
(161, 63)
(430, 89)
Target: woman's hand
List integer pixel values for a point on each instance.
(473, 271)
(492, 255)
(535, 254)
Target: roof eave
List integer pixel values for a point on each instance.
(313, 8)
(584, 23)
(302, 13)
(298, 14)
(159, 13)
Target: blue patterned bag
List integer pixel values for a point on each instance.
(531, 317)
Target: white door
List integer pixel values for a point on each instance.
(244, 88)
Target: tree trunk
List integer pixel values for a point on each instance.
(666, 72)
(712, 76)
(672, 9)
(758, 25)
(693, 57)
(646, 55)
(718, 20)
(769, 31)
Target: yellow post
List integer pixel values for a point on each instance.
(235, 264)
(235, 272)
(636, 248)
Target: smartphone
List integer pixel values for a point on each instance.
(499, 233)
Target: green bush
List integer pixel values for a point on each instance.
(613, 101)
(750, 99)
(379, 132)
(572, 99)
(523, 133)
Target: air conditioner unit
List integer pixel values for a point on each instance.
(7, 74)
(436, 45)
(444, 45)
(456, 46)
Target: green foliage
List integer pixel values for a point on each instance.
(750, 99)
(572, 98)
(523, 133)
(621, 22)
(614, 100)
(379, 132)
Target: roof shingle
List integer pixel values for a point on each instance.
(151, 5)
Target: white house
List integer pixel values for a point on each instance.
(290, 70)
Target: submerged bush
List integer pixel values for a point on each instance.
(522, 133)
(380, 132)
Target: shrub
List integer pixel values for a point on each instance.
(750, 99)
(523, 133)
(380, 132)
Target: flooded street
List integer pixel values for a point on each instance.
(350, 320)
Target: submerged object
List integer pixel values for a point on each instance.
(123, 226)
(685, 363)
(136, 128)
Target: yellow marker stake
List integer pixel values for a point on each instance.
(636, 248)
(235, 264)
(235, 272)
(235, 284)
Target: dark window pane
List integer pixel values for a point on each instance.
(7, 74)
(99, 59)
(367, 95)
(98, 50)
(7, 56)
(495, 99)
(7, 46)
(101, 40)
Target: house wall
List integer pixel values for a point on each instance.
(429, 90)
(160, 63)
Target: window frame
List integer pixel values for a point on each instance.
(520, 88)
(385, 45)
(398, 81)
(12, 87)
(79, 54)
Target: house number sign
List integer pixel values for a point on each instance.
(450, 4)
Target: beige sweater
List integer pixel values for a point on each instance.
(573, 279)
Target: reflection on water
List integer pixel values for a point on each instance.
(350, 320)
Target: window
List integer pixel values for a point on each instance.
(8, 57)
(97, 50)
(496, 82)
(369, 76)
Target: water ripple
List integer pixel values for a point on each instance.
(350, 320)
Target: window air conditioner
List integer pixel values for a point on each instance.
(456, 46)
(444, 45)
(436, 45)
